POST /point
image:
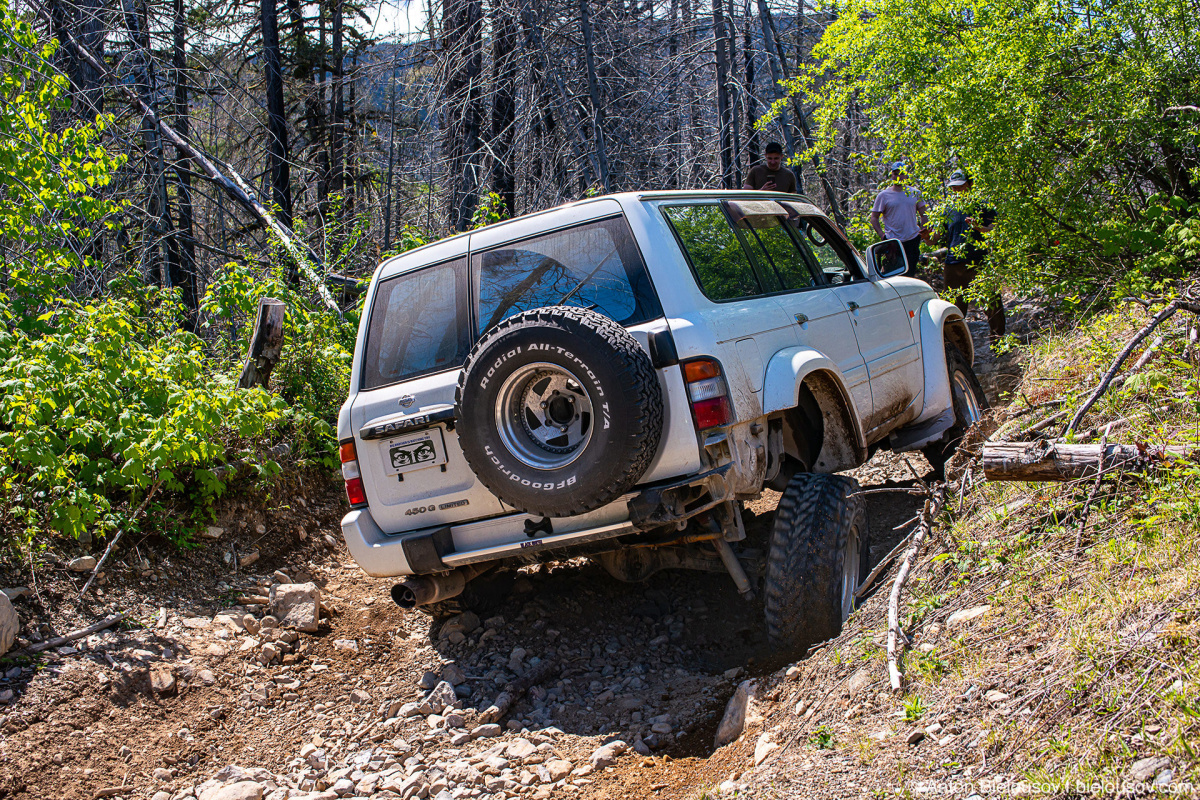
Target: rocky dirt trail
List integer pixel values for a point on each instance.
(203, 693)
(211, 700)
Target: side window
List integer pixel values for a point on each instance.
(596, 265)
(418, 325)
(721, 265)
(769, 239)
(828, 251)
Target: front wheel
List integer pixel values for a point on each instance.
(820, 554)
(969, 403)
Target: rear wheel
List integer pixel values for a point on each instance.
(820, 554)
(969, 404)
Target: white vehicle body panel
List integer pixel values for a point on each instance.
(880, 341)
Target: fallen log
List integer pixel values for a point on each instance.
(1049, 461)
(59, 641)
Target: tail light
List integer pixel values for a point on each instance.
(708, 393)
(355, 492)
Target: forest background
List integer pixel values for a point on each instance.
(167, 164)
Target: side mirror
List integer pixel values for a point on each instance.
(887, 258)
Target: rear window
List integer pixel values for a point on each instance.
(596, 266)
(418, 325)
(721, 265)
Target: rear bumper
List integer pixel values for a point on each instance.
(433, 550)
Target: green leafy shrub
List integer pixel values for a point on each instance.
(104, 401)
(1069, 117)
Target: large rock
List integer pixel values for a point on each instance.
(764, 747)
(82, 564)
(520, 748)
(10, 624)
(966, 615)
(442, 695)
(734, 720)
(296, 605)
(162, 680)
(242, 790)
(1144, 769)
(606, 755)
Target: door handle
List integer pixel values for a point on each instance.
(853, 306)
(801, 319)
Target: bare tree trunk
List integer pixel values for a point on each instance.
(337, 108)
(835, 208)
(675, 154)
(725, 148)
(536, 44)
(391, 160)
(769, 45)
(277, 134)
(186, 278)
(84, 20)
(463, 43)
(601, 151)
(751, 102)
(504, 105)
(735, 100)
(159, 212)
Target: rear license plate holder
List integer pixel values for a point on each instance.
(415, 451)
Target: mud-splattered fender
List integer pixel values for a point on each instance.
(787, 370)
(940, 321)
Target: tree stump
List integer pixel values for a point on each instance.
(266, 343)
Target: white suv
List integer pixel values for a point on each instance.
(613, 377)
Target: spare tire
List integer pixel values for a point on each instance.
(559, 411)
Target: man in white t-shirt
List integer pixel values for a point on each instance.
(903, 213)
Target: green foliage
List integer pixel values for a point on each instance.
(914, 708)
(1059, 111)
(104, 406)
(410, 238)
(491, 209)
(102, 401)
(47, 176)
(821, 738)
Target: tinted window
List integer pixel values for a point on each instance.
(778, 253)
(595, 266)
(721, 265)
(418, 325)
(829, 252)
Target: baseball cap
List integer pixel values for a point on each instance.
(958, 178)
(895, 165)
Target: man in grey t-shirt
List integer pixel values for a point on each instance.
(771, 175)
(903, 213)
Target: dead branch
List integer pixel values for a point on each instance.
(108, 550)
(883, 564)
(539, 673)
(1055, 461)
(933, 504)
(1184, 301)
(59, 641)
(235, 186)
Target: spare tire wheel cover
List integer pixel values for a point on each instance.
(560, 411)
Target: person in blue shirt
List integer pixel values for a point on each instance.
(962, 234)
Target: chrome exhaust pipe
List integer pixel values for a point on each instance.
(421, 590)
